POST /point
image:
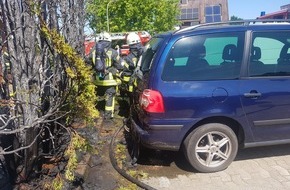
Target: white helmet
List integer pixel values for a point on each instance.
(133, 38)
(105, 36)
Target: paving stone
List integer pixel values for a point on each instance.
(261, 173)
(225, 176)
(281, 170)
(238, 180)
(164, 182)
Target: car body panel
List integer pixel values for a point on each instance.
(262, 119)
(268, 113)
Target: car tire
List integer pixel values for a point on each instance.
(211, 147)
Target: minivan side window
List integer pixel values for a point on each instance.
(205, 57)
(270, 54)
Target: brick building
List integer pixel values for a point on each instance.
(283, 13)
(203, 11)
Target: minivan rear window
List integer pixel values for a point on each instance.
(205, 57)
(148, 55)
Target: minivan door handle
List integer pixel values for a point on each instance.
(252, 94)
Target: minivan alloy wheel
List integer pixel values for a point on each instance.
(211, 147)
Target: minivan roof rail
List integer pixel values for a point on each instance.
(237, 22)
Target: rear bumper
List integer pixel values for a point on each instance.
(163, 137)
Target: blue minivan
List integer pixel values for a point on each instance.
(211, 89)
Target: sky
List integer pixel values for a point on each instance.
(250, 9)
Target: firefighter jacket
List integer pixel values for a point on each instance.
(131, 61)
(107, 64)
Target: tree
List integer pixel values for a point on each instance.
(132, 15)
(235, 18)
(50, 83)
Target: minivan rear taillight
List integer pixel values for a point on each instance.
(152, 101)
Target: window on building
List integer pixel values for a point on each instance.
(213, 13)
(183, 1)
(186, 24)
(278, 17)
(189, 14)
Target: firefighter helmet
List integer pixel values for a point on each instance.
(105, 36)
(133, 38)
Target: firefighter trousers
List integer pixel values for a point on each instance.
(109, 93)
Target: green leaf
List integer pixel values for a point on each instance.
(133, 15)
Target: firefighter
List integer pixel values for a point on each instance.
(6, 75)
(107, 65)
(136, 49)
(2, 78)
(129, 76)
(117, 48)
